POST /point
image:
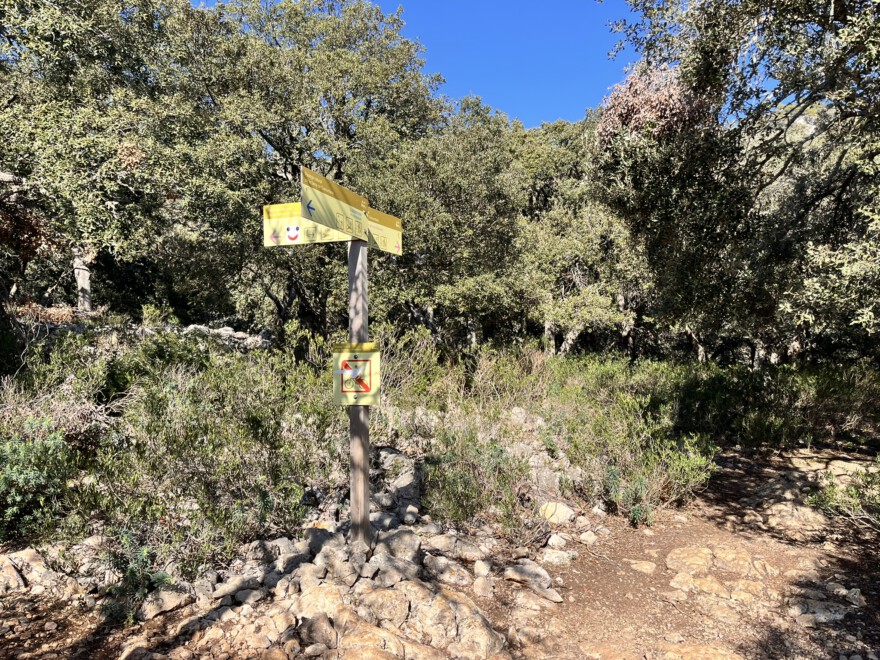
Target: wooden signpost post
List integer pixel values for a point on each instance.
(328, 212)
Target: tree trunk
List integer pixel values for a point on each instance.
(10, 340)
(549, 339)
(698, 345)
(83, 284)
(569, 341)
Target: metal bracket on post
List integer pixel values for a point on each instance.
(359, 416)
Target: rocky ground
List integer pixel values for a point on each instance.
(746, 571)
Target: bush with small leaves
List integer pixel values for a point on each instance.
(35, 467)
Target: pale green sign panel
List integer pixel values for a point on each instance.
(356, 374)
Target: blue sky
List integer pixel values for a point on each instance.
(535, 61)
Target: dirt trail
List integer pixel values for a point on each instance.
(747, 570)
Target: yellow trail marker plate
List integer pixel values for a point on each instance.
(283, 224)
(356, 374)
(331, 205)
(385, 232)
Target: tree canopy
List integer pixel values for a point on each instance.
(724, 195)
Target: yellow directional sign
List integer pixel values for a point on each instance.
(331, 205)
(356, 374)
(328, 212)
(385, 232)
(283, 224)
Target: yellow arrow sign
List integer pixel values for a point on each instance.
(283, 224)
(385, 232)
(329, 204)
(330, 213)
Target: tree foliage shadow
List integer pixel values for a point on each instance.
(747, 481)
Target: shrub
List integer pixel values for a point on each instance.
(779, 405)
(202, 461)
(411, 366)
(639, 481)
(103, 367)
(465, 477)
(153, 316)
(857, 501)
(617, 423)
(738, 405)
(35, 467)
(134, 563)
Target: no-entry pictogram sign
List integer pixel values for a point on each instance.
(356, 374)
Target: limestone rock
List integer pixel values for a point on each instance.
(733, 560)
(318, 539)
(289, 562)
(752, 587)
(359, 639)
(683, 581)
(10, 578)
(795, 517)
(763, 568)
(646, 567)
(252, 638)
(820, 611)
(258, 551)
(711, 585)
(402, 544)
(166, 599)
(347, 573)
(855, 597)
(674, 596)
(698, 652)
(692, 560)
(556, 541)
(531, 601)
(32, 566)
(588, 538)
(236, 584)
(318, 630)
(484, 587)
(556, 513)
(249, 596)
(388, 605)
(456, 548)
(309, 575)
(331, 555)
(716, 609)
(835, 589)
(444, 543)
(527, 572)
(476, 639)
(431, 620)
(467, 551)
(315, 650)
(387, 571)
(325, 598)
(558, 557)
(384, 521)
(447, 571)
